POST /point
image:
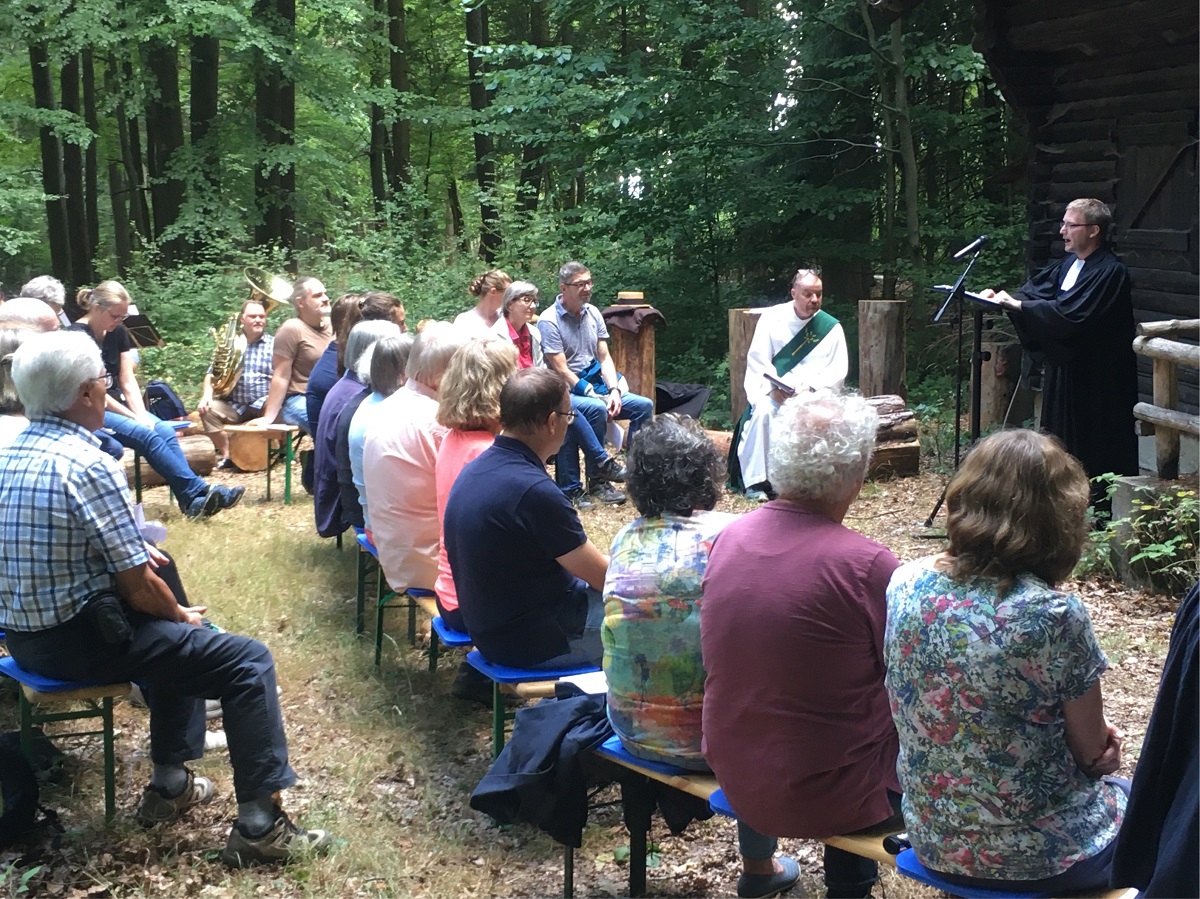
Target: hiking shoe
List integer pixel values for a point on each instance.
(580, 501)
(284, 842)
(610, 470)
(205, 504)
(228, 497)
(606, 493)
(759, 886)
(157, 807)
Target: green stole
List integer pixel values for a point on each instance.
(789, 356)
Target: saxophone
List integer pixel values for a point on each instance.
(229, 347)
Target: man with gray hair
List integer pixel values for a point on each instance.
(794, 614)
(399, 454)
(80, 601)
(299, 343)
(50, 291)
(797, 347)
(28, 313)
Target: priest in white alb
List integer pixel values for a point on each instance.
(799, 347)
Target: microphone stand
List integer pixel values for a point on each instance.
(957, 300)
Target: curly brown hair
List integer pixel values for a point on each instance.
(1017, 505)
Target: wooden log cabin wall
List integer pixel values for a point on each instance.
(1109, 90)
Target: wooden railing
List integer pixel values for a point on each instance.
(1161, 418)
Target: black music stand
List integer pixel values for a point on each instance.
(956, 298)
(142, 332)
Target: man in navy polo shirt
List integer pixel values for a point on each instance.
(528, 577)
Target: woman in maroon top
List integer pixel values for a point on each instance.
(796, 721)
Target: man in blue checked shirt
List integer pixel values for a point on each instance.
(80, 601)
(245, 401)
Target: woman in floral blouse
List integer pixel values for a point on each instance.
(994, 682)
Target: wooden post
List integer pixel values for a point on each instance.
(1000, 377)
(881, 348)
(742, 323)
(1165, 391)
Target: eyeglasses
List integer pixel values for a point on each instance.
(106, 378)
(585, 283)
(117, 318)
(569, 414)
(528, 300)
(1062, 225)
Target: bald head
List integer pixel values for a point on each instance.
(26, 312)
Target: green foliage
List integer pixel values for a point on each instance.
(1162, 538)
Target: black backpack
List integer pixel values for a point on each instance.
(164, 402)
(18, 791)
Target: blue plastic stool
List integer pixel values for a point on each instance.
(441, 633)
(614, 749)
(502, 674)
(36, 689)
(910, 866)
(383, 596)
(720, 805)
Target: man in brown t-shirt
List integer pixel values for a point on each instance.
(299, 343)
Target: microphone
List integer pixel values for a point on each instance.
(971, 247)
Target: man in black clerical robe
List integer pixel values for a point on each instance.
(1076, 316)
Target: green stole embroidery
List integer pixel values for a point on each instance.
(789, 356)
(795, 350)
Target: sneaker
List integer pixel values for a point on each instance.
(610, 470)
(229, 496)
(205, 504)
(282, 843)
(158, 808)
(606, 493)
(580, 501)
(760, 886)
(215, 741)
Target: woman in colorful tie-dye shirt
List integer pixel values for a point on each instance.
(994, 682)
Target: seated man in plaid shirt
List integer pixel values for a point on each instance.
(80, 601)
(245, 401)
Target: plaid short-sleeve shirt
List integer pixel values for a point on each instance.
(66, 524)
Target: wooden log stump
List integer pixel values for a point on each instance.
(881, 347)
(742, 323)
(199, 452)
(633, 354)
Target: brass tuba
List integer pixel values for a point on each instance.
(229, 344)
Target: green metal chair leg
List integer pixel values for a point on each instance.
(412, 621)
(360, 595)
(497, 720)
(433, 649)
(289, 456)
(137, 475)
(110, 761)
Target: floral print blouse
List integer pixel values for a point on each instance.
(976, 684)
(651, 632)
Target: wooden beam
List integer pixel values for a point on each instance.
(1176, 326)
(1168, 418)
(1169, 350)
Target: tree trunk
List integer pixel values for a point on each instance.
(72, 155)
(52, 168)
(118, 192)
(91, 175)
(275, 115)
(908, 155)
(205, 69)
(398, 70)
(485, 172)
(533, 165)
(456, 213)
(887, 218)
(130, 148)
(164, 135)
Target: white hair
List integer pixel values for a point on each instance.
(46, 288)
(516, 290)
(821, 445)
(363, 336)
(49, 369)
(28, 312)
(431, 352)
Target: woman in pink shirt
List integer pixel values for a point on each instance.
(469, 405)
(518, 308)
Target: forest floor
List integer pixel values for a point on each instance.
(387, 759)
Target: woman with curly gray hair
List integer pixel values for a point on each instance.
(796, 720)
(652, 601)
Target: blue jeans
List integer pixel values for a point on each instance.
(161, 448)
(587, 433)
(182, 665)
(295, 412)
(584, 646)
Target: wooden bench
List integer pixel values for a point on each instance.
(278, 442)
(637, 801)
